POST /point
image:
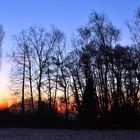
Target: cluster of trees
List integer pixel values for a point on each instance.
(96, 77)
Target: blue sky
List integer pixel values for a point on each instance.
(67, 15)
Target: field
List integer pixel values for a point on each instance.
(61, 134)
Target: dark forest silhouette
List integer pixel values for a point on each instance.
(95, 83)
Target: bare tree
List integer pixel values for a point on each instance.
(19, 59)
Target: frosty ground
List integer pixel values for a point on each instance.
(61, 134)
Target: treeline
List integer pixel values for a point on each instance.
(96, 77)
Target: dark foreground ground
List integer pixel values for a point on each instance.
(63, 134)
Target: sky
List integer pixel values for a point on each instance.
(67, 15)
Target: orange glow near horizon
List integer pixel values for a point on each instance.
(6, 102)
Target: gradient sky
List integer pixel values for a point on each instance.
(66, 15)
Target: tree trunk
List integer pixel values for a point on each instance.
(31, 87)
(23, 85)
